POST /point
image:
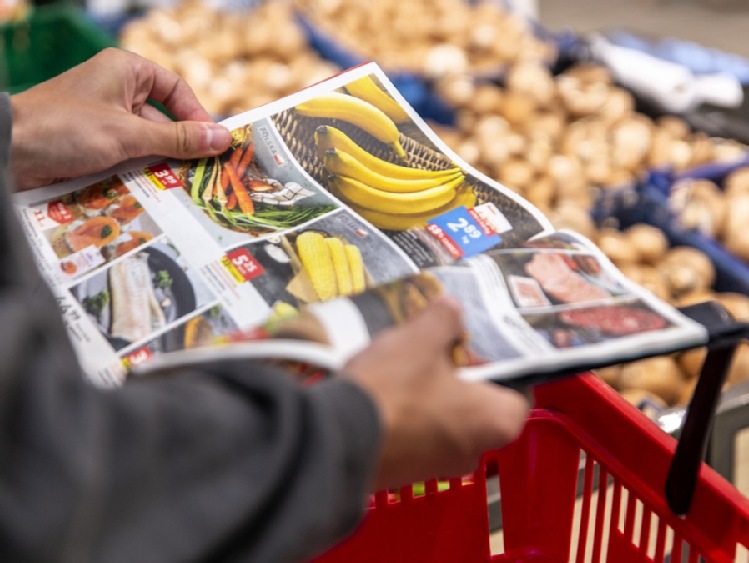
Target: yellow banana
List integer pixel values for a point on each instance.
(356, 267)
(363, 195)
(343, 164)
(366, 89)
(340, 265)
(401, 222)
(328, 137)
(357, 112)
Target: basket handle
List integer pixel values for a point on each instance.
(681, 480)
(725, 334)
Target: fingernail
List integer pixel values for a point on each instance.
(218, 137)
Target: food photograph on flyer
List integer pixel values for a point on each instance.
(141, 295)
(93, 226)
(547, 277)
(199, 331)
(360, 143)
(251, 190)
(335, 256)
(570, 327)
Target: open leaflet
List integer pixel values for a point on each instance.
(336, 214)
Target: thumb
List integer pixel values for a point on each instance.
(180, 139)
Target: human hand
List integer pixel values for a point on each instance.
(436, 425)
(96, 115)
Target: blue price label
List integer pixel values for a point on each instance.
(465, 231)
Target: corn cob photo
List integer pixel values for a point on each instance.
(317, 263)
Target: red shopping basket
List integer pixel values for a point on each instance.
(616, 513)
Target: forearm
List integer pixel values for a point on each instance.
(236, 464)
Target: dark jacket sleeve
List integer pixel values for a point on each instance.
(233, 462)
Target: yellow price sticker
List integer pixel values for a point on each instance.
(162, 177)
(232, 269)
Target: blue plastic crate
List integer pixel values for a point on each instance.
(648, 203)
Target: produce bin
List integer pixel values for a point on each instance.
(416, 88)
(548, 515)
(648, 203)
(52, 39)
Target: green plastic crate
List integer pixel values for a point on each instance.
(50, 40)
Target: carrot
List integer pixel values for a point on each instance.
(236, 155)
(225, 179)
(243, 197)
(246, 159)
(232, 203)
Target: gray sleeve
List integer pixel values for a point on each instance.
(233, 462)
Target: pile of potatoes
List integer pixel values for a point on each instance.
(434, 39)
(557, 140)
(719, 213)
(680, 276)
(234, 61)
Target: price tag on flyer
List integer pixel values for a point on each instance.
(242, 266)
(137, 357)
(462, 233)
(51, 215)
(163, 177)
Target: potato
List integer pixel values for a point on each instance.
(610, 374)
(691, 362)
(660, 376)
(574, 218)
(649, 242)
(650, 278)
(737, 182)
(532, 80)
(687, 390)
(739, 370)
(737, 304)
(688, 270)
(617, 246)
(737, 226)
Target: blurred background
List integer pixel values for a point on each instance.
(723, 24)
(626, 121)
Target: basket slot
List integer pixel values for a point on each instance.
(584, 517)
(407, 493)
(629, 518)
(603, 515)
(645, 531)
(615, 511)
(660, 542)
(676, 552)
(431, 487)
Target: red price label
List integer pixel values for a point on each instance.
(59, 212)
(164, 176)
(138, 357)
(446, 240)
(244, 264)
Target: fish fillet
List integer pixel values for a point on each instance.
(135, 312)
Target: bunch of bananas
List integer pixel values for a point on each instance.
(367, 117)
(389, 196)
(334, 267)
